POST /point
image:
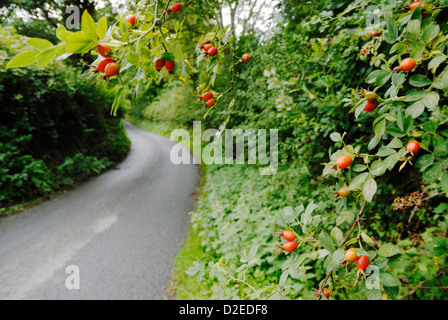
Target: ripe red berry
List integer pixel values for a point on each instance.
(362, 262)
(207, 96)
(207, 47)
(210, 102)
(102, 49)
(160, 64)
(112, 69)
(101, 66)
(246, 57)
(374, 33)
(415, 5)
(344, 161)
(212, 51)
(131, 19)
(413, 146)
(169, 65)
(289, 235)
(407, 64)
(370, 105)
(290, 246)
(176, 7)
(326, 293)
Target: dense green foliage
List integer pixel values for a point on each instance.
(312, 82)
(308, 82)
(55, 128)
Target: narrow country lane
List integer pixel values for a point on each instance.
(121, 229)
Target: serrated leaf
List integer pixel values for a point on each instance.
(335, 137)
(79, 42)
(358, 181)
(431, 100)
(101, 28)
(435, 63)
(62, 33)
(430, 33)
(374, 294)
(399, 261)
(367, 239)
(388, 280)
(388, 250)
(39, 44)
(385, 151)
(88, 26)
(22, 60)
(425, 161)
(326, 241)
(45, 57)
(432, 173)
(419, 81)
(415, 109)
(369, 189)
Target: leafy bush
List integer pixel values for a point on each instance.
(310, 82)
(50, 120)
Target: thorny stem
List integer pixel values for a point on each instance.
(354, 223)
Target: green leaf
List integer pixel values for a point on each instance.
(431, 100)
(415, 109)
(430, 33)
(388, 280)
(388, 250)
(367, 239)
(435, 63)
(425, 161)
(378, 168)
(391, 161)
(392, 292)
(374, 294)
(441, 149)
(79, 42)
(88, 26)
(39, 44)
(22, 60)
(46, 56)
(414, 95)
(399, 261)
(326, 241)
(444, 181)
(413, 29)
(429, 127)
(101, 28)
(359, 167)
(432, 173)
(419, 81)
(369, 190)
(379, 128)
(336, 235)
(358, 181)
(386, 151)
(335, 137)
(62, 33)
(395, 143)
(391, 32)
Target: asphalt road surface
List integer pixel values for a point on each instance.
(120, 230)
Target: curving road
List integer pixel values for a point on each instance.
(121, 230)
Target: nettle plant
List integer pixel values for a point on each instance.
(141, 46)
